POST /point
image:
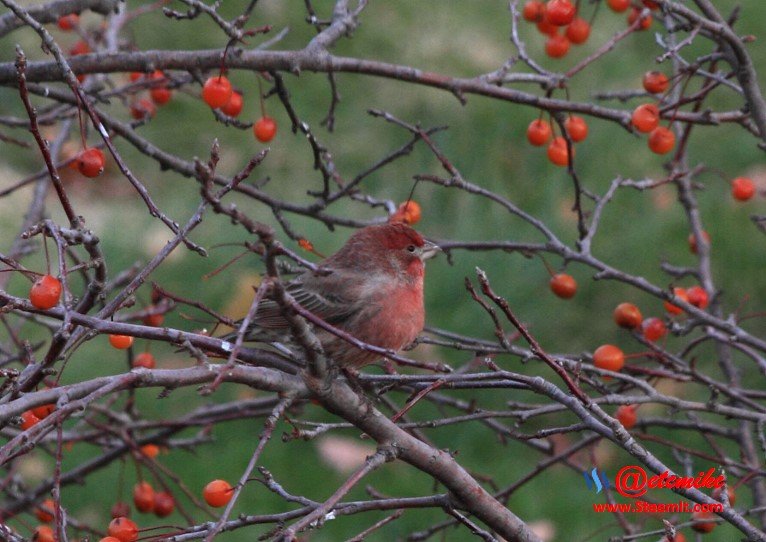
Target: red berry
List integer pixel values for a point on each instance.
(217, 493)
(546, 28)
(91, 162)
(44, 533)
(164, 504)
(680, 293)
(645, 23)
(123, 529)
(578, 31)
(563, 285)
(45, 292)
(655, 82)
(109, 539)
(68, 22)
(651, 4)
(28, 420)
(79, 48)
(576, 127)
(558, 152)
(654, 329)
(698, 297)
(702, 522)
(120, 342)
(718, 495)
(742, 188)
(556, 46)
(539, 132)
(143, 496)
(161, 95)
(693, 241)
(618, 5)
(609, 357)
(120, 509)
(217, 91)
(143, 108)
(234, 106)
(661, 140)
(408, 212)
(44, 411)
(560, 12)
(265, 128)
(135, 76)
(533, 11)
(145, 359)
(627, 315)
(626, 415)
(646, 117)
(44, 512)
(679, 537)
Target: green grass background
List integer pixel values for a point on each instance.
(486, 141)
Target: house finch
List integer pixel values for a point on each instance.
(372, 288)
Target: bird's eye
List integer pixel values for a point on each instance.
(411, 248)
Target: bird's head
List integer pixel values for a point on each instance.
(393, 244)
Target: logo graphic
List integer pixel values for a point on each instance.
(597, 479)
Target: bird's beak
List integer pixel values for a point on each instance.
(429, 250)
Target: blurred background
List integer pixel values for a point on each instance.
(486, 141)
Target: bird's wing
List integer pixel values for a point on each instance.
(325, 295)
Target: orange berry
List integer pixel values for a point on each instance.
(120, 342)
(626, 415)
(578, 31)
(68, 22)
(28, 420)
(679, 537)
(698, 297)
(718, 495)
(142, 109)
(44, 512)
(693, 241)
(742, 188)
(618, 6)
(109, 539)
(45, 292)
(563, 285)
(217, 493)
(609, 357)
(680, 293)
(546, 28)
(265, 128)
(645, 117)
(645, 23)
(654, 329)
(558, 153)
(91, 162)
(560, 12)
(164, 504)
(143, 496)
(150, 450)
(556, 46)
(161, 95)
(154, 320)
(123, 529)
(533, 11)
(234, 106)
(79, 48)
(539, 132)
(217, 91)
(627, 315)
(43, 411)
(702, 522)
(661, 140)
(305, 244)
(43, 533)
(145, 359)
(655, 82)
(576, 127)
(408, 212)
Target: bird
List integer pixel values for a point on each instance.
(371, 288)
